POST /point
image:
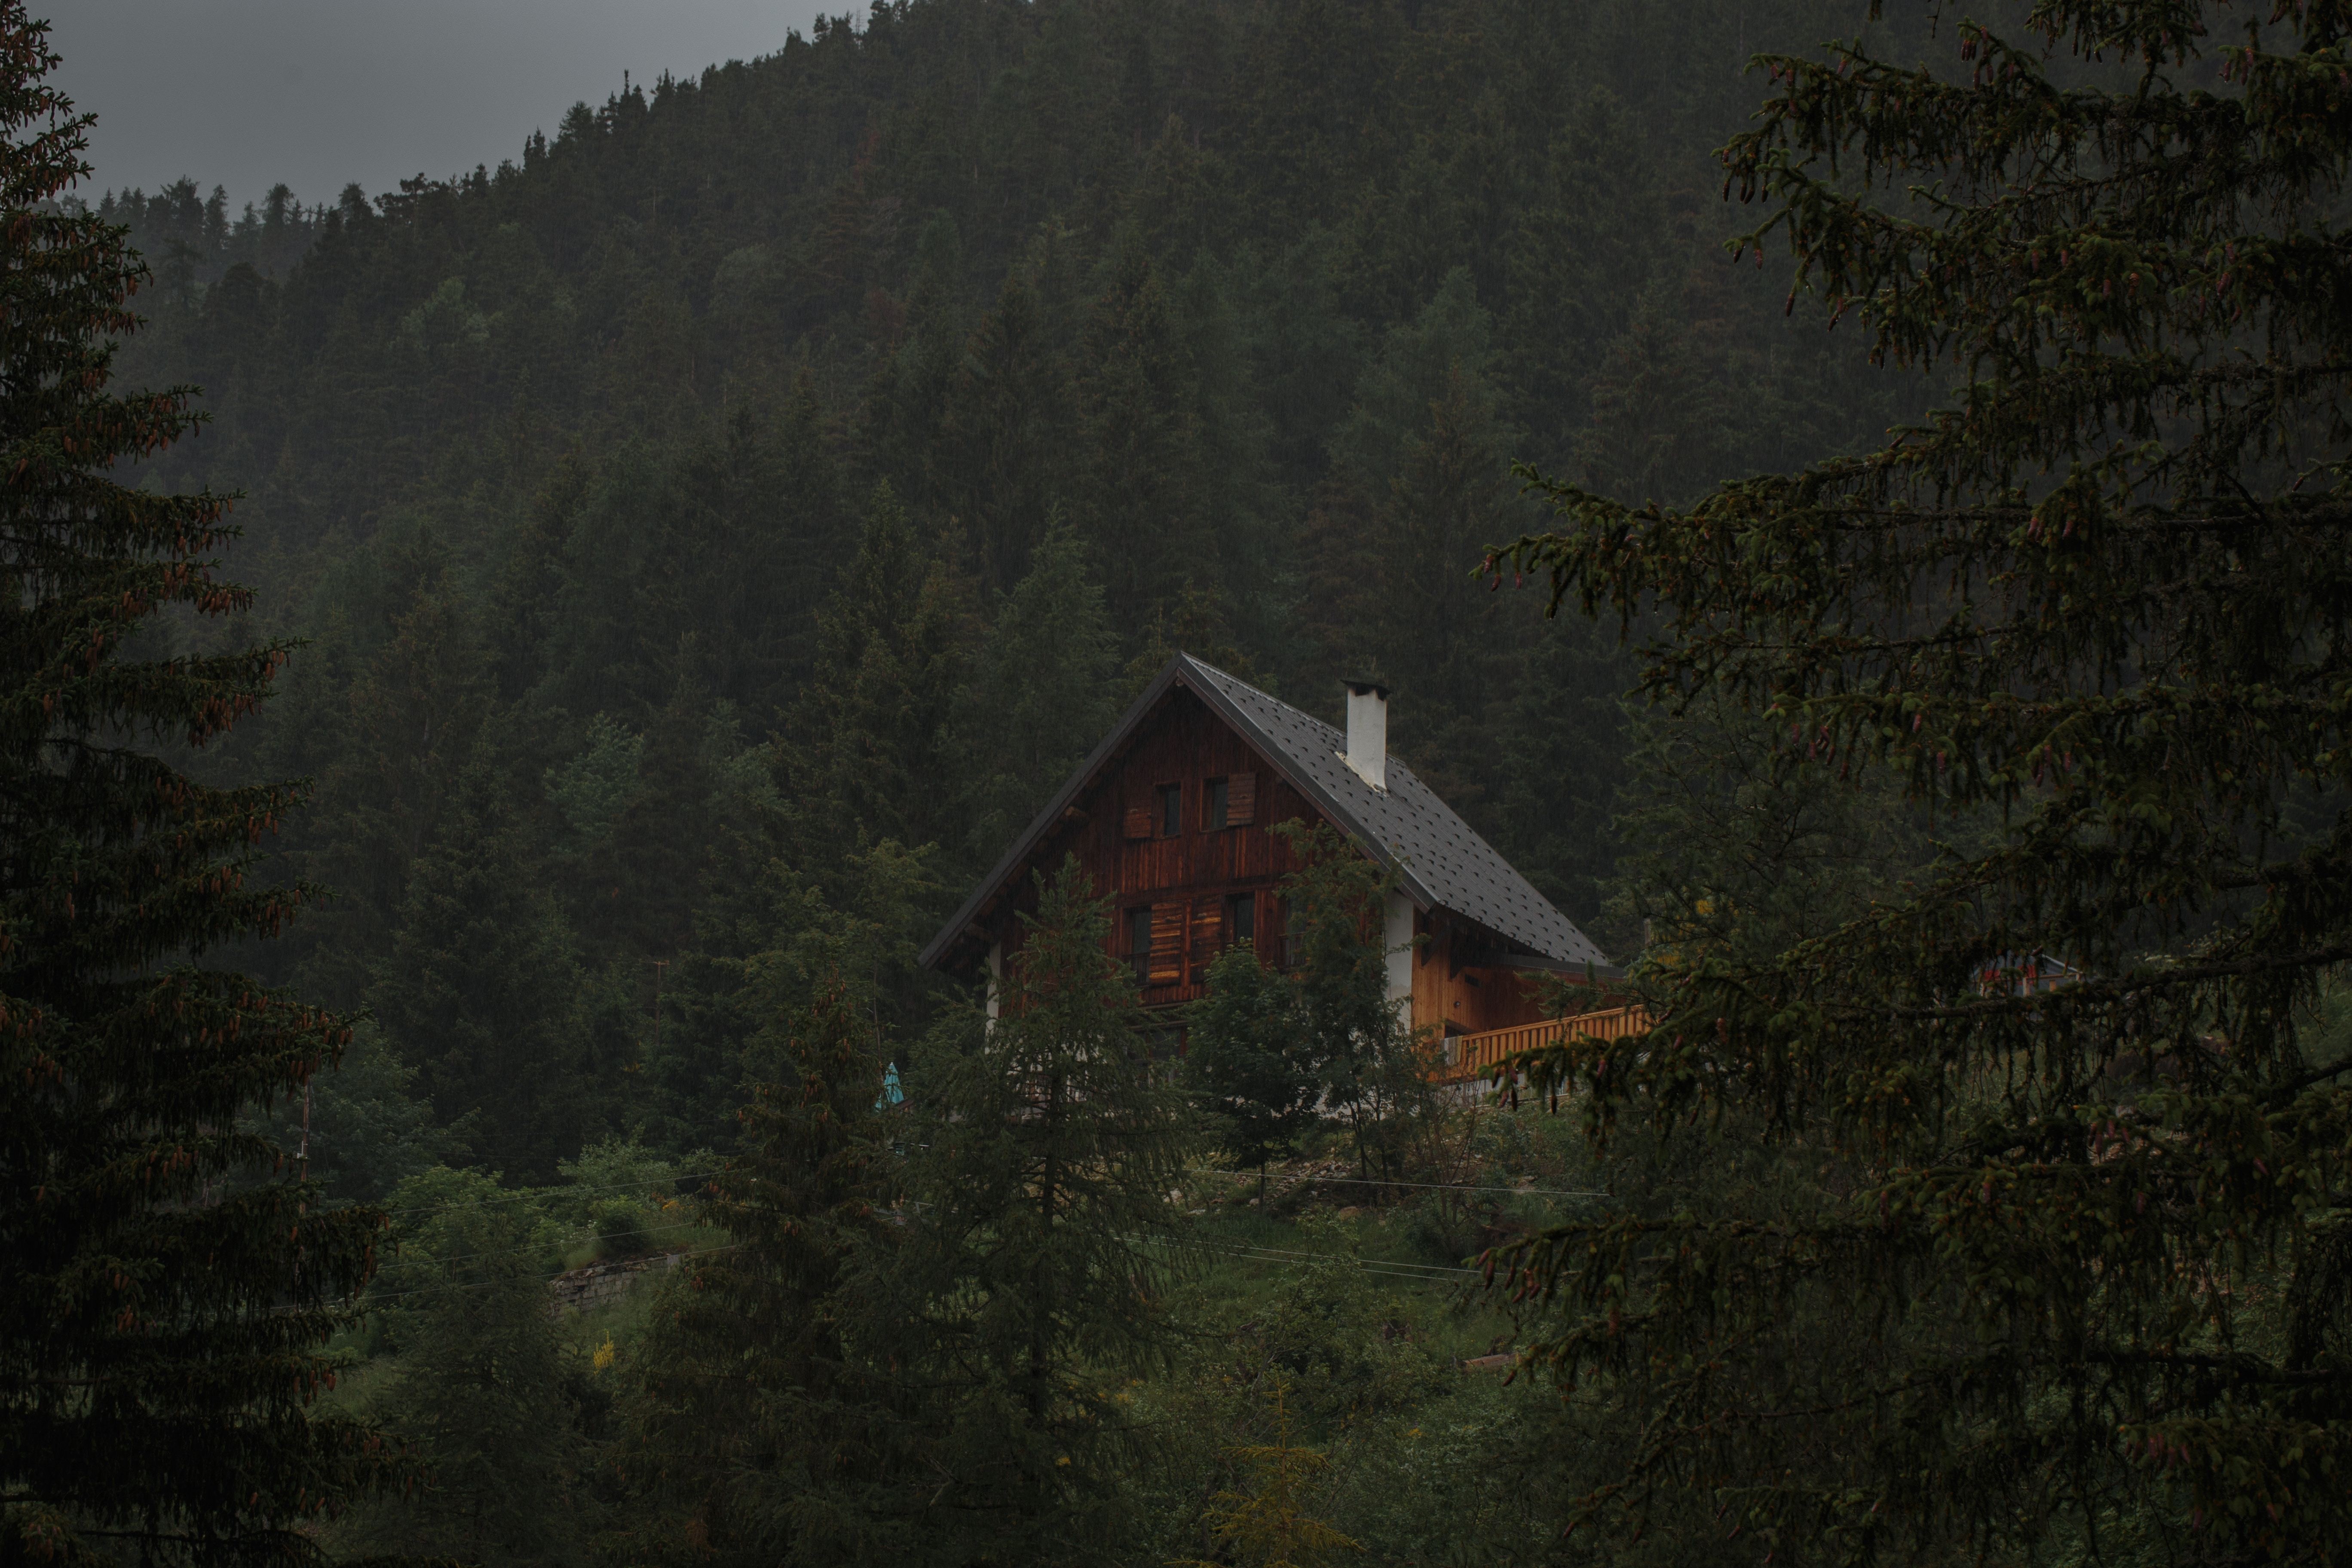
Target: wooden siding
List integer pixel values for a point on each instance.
(1462, 999)
(1186, 878)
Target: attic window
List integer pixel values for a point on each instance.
(1171, 810)
(1213, 807)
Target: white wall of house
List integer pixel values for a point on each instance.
(1396, 938)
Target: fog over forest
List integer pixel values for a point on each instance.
(1241, 782)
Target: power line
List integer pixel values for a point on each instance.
(519, 1251)
(1397, 1265)
(1379, 1181)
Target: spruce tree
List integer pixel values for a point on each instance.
(478, 1385)
(2069, 1279)
(1370, 1067)
(168, 1292)
(479, 993)
(1046, 691)
(1030, 1279)
(865, 757)
(1248, 1055)
(1004, 439)
(754, 1435)
(1142, 490)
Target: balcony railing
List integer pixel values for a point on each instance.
(1470, 1057)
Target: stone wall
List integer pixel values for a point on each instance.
(601, 1284)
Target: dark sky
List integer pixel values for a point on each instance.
(317, 93)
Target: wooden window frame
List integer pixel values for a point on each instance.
(1214, 805)
(1241, 909)
(1168, 802)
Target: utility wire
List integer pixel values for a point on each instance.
(1236, 1249)
(558, 1194)
(518, 1251)
(1397, 1265)
(1376, 1182)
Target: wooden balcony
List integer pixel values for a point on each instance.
(1471, 1056)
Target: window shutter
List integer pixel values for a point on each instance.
(1208, 933)
(1138, 819)
(1240, 799)
(1167, 944)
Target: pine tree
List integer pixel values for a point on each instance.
(866, 754)
(416, 710)
(648, 875)
(755, 1434)
(480, 990)
(524, 594)
(2070, 1279)
(1248, 1054)
(1420, 484)
(1557, 768)
(477, 1387)
(819, 526)
(168, 1293)
(1269, 1526)
(1004, 439)
(1142, 490)
(908, 403)
(1040, 1235)
(1369, 1065)
(1043, 694)
(1581, 250)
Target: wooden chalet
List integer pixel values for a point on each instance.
(1171, 815)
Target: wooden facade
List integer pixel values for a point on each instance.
(1176, 828)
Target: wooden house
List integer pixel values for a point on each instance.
(1173, 815)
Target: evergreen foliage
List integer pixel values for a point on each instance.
(480, 990)
(1044, 692)
(167, 1292)
(1373, 1073)
(870, 761)
(585, 453)
(753, 1427)
(478, 1390)
(2067, 1281)
(1269, 1526)
(1040, 1237)
(719, 531)
(1247, 1054)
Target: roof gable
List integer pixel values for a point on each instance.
(1439, 861)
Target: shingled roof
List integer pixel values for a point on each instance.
(1440, 862)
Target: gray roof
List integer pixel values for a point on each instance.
(1439, 861)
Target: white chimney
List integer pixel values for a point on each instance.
(1368, 733)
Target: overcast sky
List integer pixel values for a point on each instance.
(317, 93)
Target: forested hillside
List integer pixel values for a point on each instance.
(682, 557)
(751, 499)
